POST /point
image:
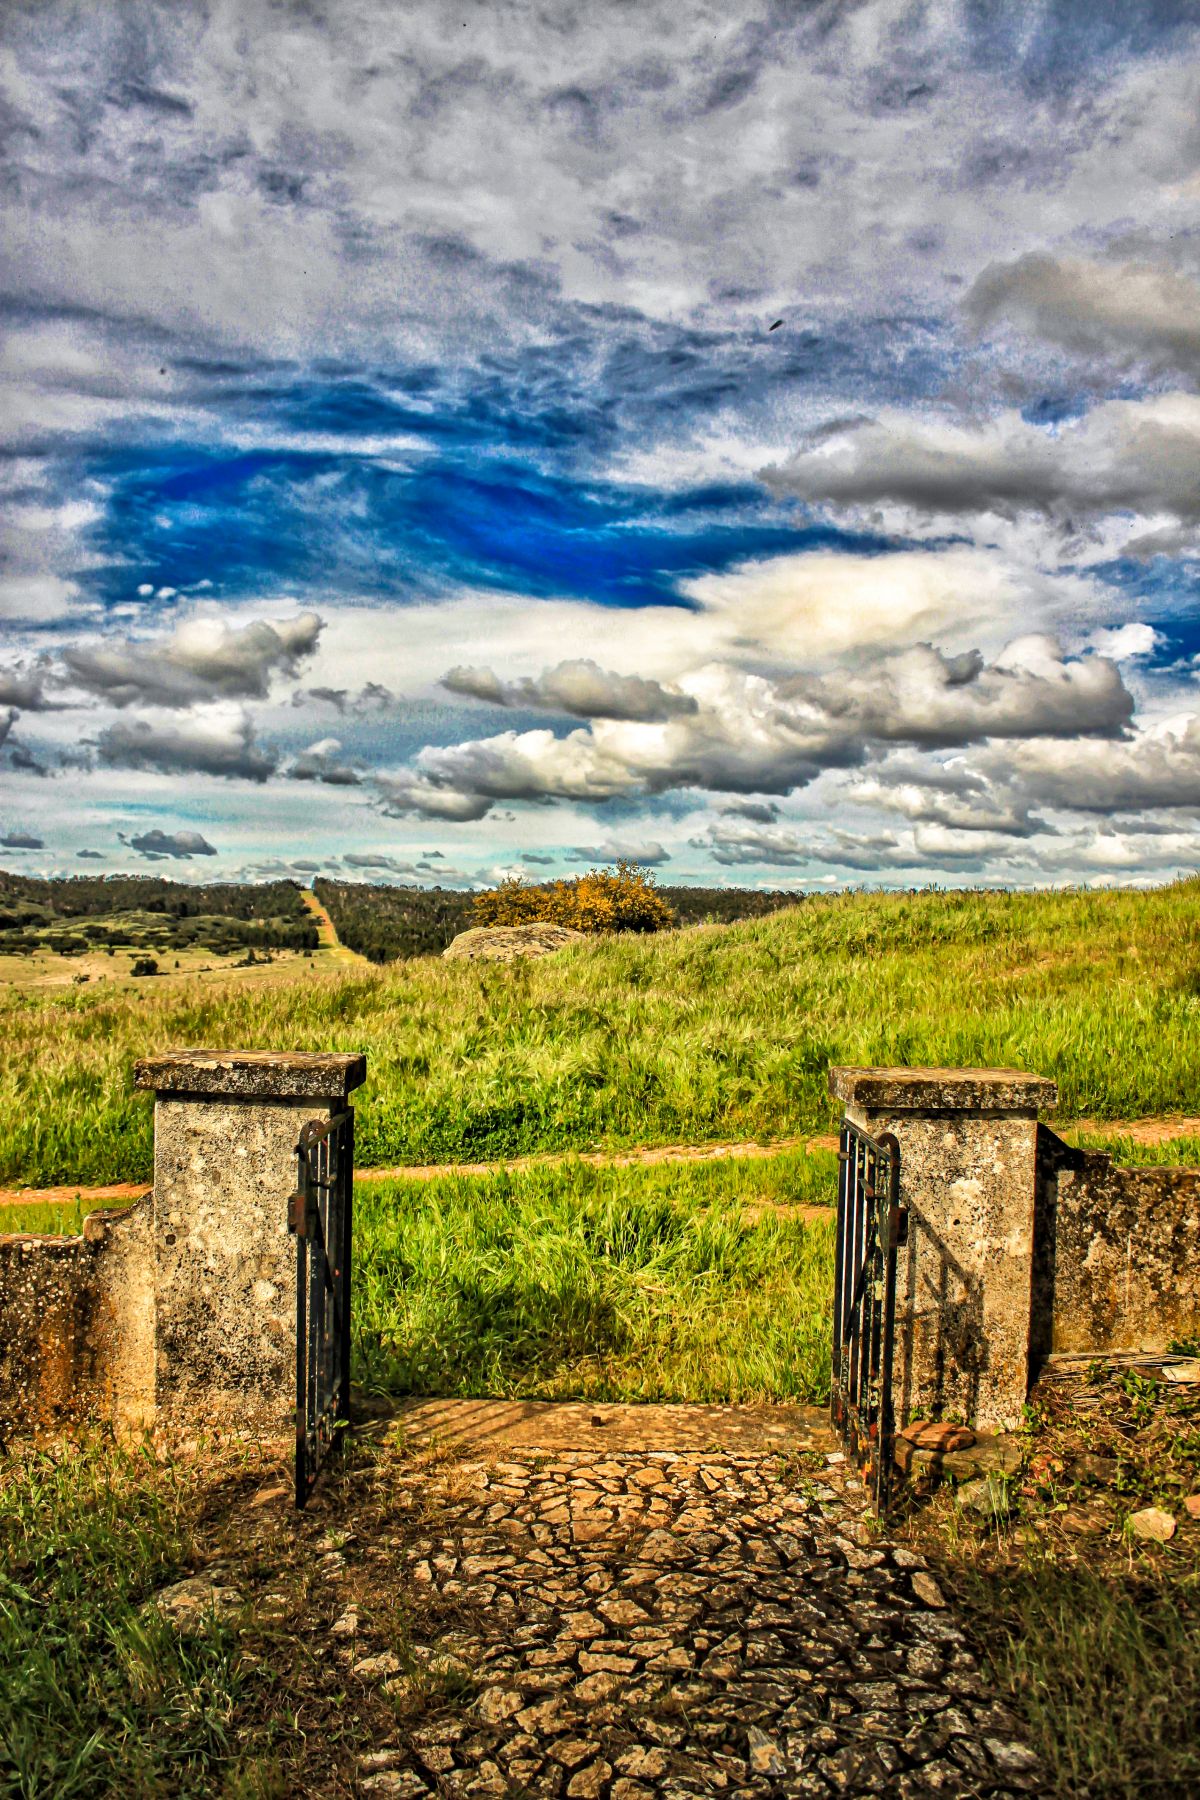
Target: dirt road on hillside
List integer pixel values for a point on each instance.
(330, 942)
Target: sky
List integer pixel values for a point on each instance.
(453, 440)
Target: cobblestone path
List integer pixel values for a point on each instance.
(665, 1624)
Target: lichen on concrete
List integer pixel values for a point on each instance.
(253, 1074)
(1118, 1263)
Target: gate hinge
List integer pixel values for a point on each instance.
(298, 1213)
(897, 1226)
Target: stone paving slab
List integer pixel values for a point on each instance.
(621, 1626)
(603, 1427)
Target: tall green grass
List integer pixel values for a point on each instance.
(697, 1035)
(97, 1697)
(1104, 1670)
(676, 1282)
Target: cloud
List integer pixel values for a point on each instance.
(21, 840)
(19, 756)
(8, 718)
(202, 659)
(373, 860)
(759, 812)
(217, 740)
(335, 697)
(373, 697)
(320, 763)
(736, 845)
(24, 687)
(1157, 767)
(1139, 456)
(1121, 851)
(929, 846)
(407, 792)
(750, 735)
(1130, 311)
(157, 844)
(580, 688)
(1126, 643)
(647, 851)
(961, 800)
(90, 855)
(39, 599)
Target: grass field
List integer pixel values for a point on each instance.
(96, 1698)
(677, 1282)
(709, 1033)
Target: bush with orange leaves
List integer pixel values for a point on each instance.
(623, 898)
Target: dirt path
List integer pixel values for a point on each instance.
(330, 942)
(1140, 1131)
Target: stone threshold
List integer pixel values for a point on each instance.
(600, 1427)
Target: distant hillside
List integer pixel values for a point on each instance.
(671, 1038)
(149, 912)
(724, 905)
(384, 923)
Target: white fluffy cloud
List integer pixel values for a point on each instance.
(1136, 456)
(214, 740)
(581, 688)
(752, 735)
(202, 659)
(1157, 767)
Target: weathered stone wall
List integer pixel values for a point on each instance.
(46, 1300)
(1117, 1263)
(74, 1318)
(181, 1311)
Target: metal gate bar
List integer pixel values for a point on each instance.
(871, 1224)
(319, 1214)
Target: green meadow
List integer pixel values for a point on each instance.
(709, 1033)
(676, 1282)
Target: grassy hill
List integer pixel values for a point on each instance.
(387, 922)
(82, 913)
(709, 1033)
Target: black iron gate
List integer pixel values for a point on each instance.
(871, 1224)
(319, 1214)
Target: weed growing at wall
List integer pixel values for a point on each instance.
(97, 1696)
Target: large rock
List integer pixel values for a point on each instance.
(505, 943)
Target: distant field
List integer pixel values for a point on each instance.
(722, 1032)
(669, 1283)
(80, 929)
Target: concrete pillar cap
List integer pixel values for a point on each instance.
(943, 1090)
(253, 1074)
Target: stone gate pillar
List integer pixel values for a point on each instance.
(968, 1178)
(225, 1131)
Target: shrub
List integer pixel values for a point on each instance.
(623, 898)
(144, 965)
